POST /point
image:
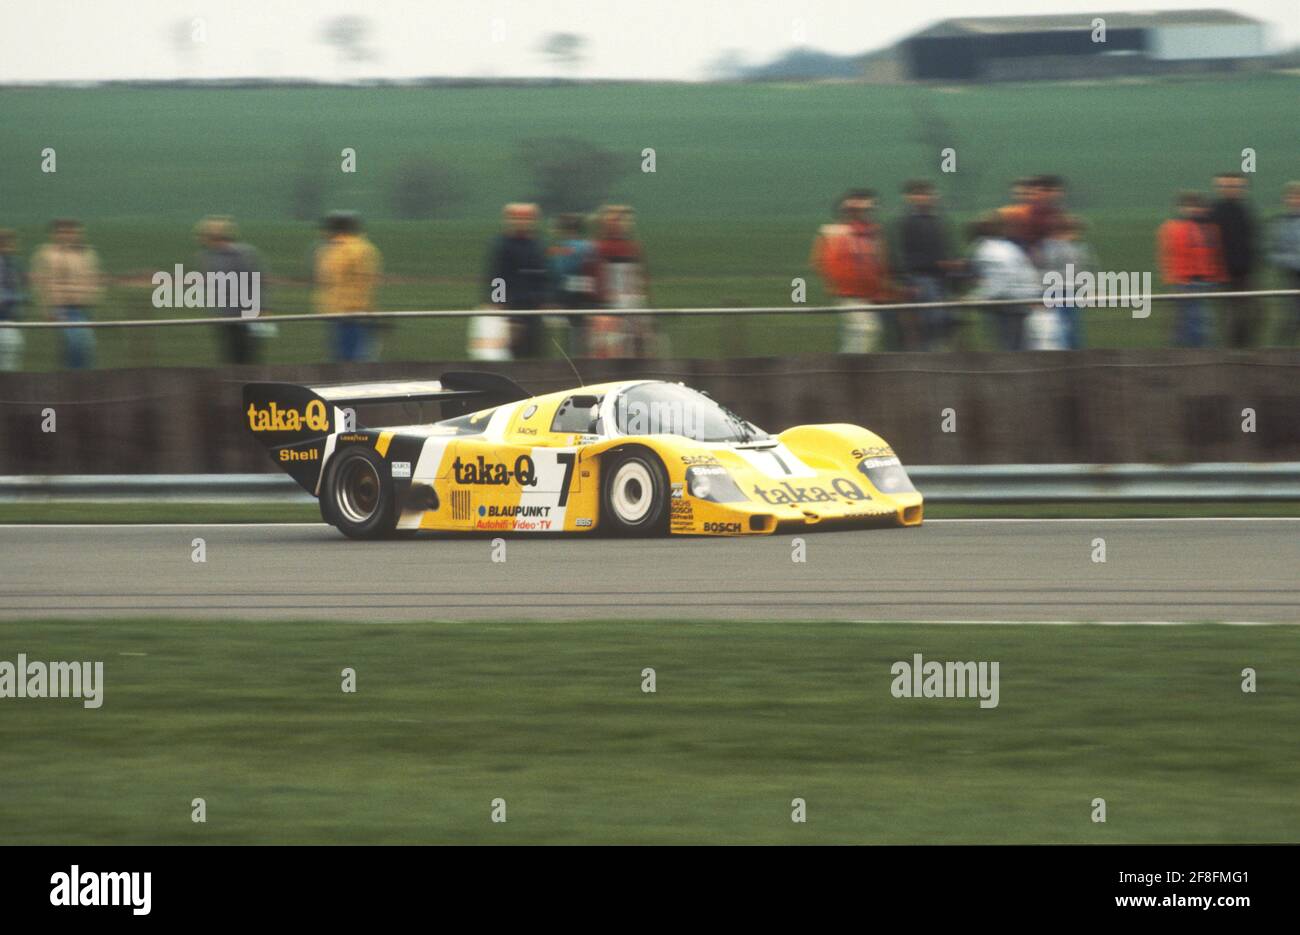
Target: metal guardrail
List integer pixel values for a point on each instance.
(996, 483)
(792, 308)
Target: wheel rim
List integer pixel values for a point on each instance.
(633, 492)
(357, 491)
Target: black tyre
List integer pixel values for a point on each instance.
(358, 496)
(635, 494)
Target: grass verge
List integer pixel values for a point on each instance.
(552, 718)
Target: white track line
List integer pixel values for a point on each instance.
(928, 522)
(1087, 623)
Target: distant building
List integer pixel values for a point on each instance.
(1026, 48)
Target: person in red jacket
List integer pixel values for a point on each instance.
(851, 258)
(621, 283)
(1191, 260)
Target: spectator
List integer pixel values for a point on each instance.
(1285, 255)
(850, 258)
(517, 277)
(1046, 207)
(1231, 214)
(1003, 270)
(573, 267)
(13, 293)
(925, 259)
(68, 283)
(1016, 217)
(348, 266)
(621, 284)
(1065, 252)
(219, 253)
(1187, 247)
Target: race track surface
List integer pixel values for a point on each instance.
(976, 570)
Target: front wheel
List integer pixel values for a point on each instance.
(357, 497)
(635, 494)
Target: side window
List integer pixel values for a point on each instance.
(577, 414)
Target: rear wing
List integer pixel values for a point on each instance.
(488, 389)
(292, 421)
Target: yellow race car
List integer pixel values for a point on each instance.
(635, 457)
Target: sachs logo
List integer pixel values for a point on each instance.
(481, 471)
(275, 419)
(788, 493)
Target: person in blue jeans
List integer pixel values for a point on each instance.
(65, 273)
(13, 292)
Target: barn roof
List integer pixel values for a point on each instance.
(1004, 25)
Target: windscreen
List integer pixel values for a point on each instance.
(673, 409)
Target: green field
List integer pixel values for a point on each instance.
(745, 174)
(747, 716)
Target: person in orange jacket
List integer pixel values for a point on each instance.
(850, 256)
(1191, 260)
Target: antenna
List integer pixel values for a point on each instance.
(569, 362)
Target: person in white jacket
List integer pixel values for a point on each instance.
(1003, 270)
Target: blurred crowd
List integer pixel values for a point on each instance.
(596, 263)
(1209, 245)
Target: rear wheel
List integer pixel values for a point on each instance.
(358, 497)
(635, 494)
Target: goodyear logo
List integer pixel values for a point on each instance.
(275, 419)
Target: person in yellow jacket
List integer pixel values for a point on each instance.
(347, 270)
(66, 277)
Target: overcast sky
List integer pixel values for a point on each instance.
(44, 40)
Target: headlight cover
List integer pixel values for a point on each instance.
(886, 475)
(712, 483)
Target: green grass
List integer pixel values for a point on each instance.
(747, 716)
(63, 511)
(745, 174)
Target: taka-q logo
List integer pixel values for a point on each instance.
(482, 471)
(274, 419)
(788, 493)
(85, 888)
